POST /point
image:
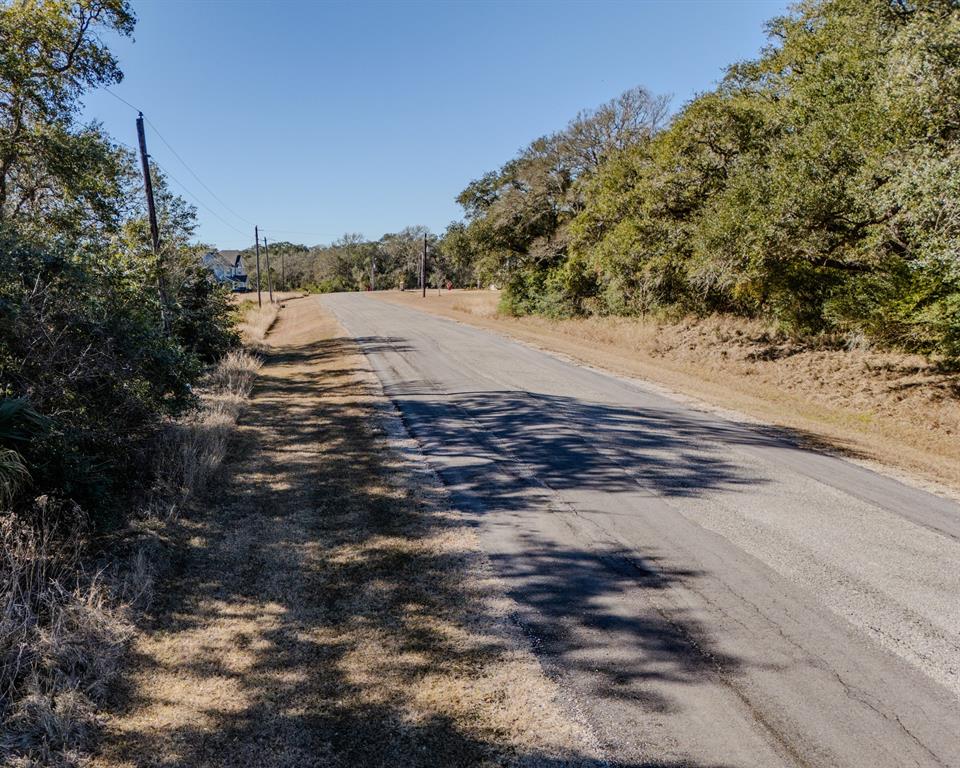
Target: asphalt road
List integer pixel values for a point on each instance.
(707, 593)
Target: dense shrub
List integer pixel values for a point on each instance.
(204, 320)
(82, 345)
(81, 342)
(818, 185)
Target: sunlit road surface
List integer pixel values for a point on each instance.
(706, 593)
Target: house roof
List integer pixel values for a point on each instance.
(226, 259)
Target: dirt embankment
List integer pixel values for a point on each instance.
(898, 410)
(324, 610)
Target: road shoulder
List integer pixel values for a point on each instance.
(327, 607)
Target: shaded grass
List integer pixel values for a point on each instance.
(325, 610)
(65, 621)
(191, 451)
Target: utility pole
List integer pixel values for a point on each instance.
(256, 239)
(154, 229)
(283, 273)
(266, 250)
(373, 272)
(423, 268)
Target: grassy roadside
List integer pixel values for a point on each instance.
(69, 606)
(255, 319)
(896, 410)
(324, 609)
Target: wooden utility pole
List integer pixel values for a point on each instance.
(256, 239)
(148, 185)
(154, 229)
(373, 272)
(283, 273)
(266, 251)
(423, 268)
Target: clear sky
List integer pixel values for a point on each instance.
(315, 119)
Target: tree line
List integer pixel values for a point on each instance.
(353, 263)
(817, 186)
(88, 374)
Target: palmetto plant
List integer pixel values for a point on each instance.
(13, 475)
(19, 423)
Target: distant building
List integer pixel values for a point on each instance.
(226, 267)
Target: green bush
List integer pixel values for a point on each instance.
(81, 342)
(817, 186)
(204, 320)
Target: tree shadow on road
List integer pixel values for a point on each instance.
(320, 612)
(570, 444)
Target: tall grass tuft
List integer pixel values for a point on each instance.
(192, 451)
(62, 634)
(256, 321)
(64, 625)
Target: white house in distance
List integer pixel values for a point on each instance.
(226, 267)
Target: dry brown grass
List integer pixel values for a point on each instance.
(898, 410)
(278, 297)
(328, 611)
(256, 321)
(64, 623)
(62, 633)
(191, 451)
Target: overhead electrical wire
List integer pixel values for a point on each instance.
(120, 98)
(271, 230)
(185, 165)
(186, 189)
(202, 183)
(191, 172)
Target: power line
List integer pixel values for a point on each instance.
(200, 181)
(186, 189)
(191, 172)
(183, 162)
(120, 98)
(124, 145)
(301, 232)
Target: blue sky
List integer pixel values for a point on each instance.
(316, 119)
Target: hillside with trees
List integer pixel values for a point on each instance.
(817, 185)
